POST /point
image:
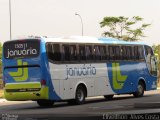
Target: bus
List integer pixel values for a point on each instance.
(48, 70)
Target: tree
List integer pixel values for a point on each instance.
(0, 62)
(156, 49)
(0, 51)
(125, 28)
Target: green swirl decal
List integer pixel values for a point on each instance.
(22, 73)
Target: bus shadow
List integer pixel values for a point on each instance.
(118, 98)
(88, 101)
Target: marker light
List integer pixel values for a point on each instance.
(43, 82)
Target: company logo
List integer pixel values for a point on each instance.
(26, 52)
(80, 71)
(117, 78)
(22, 72)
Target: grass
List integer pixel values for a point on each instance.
(1, 93)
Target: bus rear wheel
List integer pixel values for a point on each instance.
(140, 90)
(108, 97)
(79, 96)
(45, 103)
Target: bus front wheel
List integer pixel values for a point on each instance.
(140, 90)
(45, 103)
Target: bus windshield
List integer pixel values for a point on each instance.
(21, 49)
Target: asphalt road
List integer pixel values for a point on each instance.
(97, 106)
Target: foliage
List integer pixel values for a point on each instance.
(0, 67)
(1, 94)
(0, 55)
(156, 49)
(0, 51)
(124, 27)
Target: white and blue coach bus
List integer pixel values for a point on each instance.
(47, 70)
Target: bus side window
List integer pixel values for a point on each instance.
(77, 52)
(62, 53)
(88, 52)
(132, 53)
(65, 53)
(56, 52)
(49, 50)
(128, 52)
(103, 52)
(140, 53)
(117, 52)
(97, 52)
(82, 52)
(107, 53)
(150, 60)
(136, 52)
(73, 52)
(123, 52)
(111, 52)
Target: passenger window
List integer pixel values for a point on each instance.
(88, 52)
(140, 53)
(117, 52)
(56, 52)
(97, 52)
(107, 53)
(65, 52)
(103, 52)
(136, 52)
(53, 51)
(111, 53)
(150, 60)
(132, 53)
(73, 52)
(124, 52)
(82, 52)
(128, 50)
(49, 50)
(62, 53)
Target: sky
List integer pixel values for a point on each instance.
(57, 17)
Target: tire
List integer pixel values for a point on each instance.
(45, 103)
(140, 90)
(108, 97)
(80, 95)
